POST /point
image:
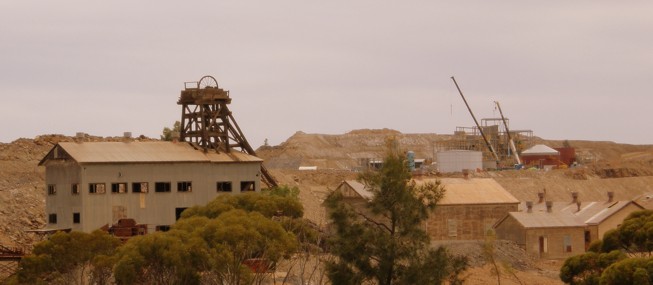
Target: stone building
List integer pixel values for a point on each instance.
(562, 229)
(92, 184)
(469, 208)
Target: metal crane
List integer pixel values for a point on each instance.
(511, 142)
(489, 145)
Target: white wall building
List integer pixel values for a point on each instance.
(92, 184)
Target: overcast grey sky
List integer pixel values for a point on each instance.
(564, 69)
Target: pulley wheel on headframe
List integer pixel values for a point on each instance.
(207, 81)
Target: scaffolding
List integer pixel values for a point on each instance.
(469, 138)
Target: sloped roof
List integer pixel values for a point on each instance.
(460, 191)
(597, 212)
(540, 149)
(142, 152)
(359, 188)
(567, 214)
(546, 220)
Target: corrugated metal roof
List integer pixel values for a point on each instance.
(546, 220)
(567, 214)
(140, 152)
(473, 191)
(540, 149)
(599, 211)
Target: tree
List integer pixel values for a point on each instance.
(70, 258)
(235, 237)
(159, 258)
(167, 132)
(384, 241)
(283, 203)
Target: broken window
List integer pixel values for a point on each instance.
(118, 187)
(162, 187)
(52, 189)
(162, 228)
(178, 212)
(139, 187)
(74, 189)
(184, 186)
(96, 188)
(76, 218)
(223, 186)
(247, 186)
(52, 218)
(567, 243)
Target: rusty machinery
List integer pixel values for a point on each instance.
(207, 122)
(9, 261)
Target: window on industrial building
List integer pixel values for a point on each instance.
(247, 186)
(52, 189)
(118, 187)
(76, 218)
(184, 186)
(139, 187)
(452, 226)
(96, 188)
(162, 228)
(567, 243)
(223, 186)
(178, 212)
(52, 218)
(74, 189)
(162, 187)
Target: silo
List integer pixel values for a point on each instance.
(410, 155)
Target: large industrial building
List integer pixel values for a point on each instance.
(90, 185)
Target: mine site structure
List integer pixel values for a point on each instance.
(9, 261)
(208, 124)
(492, 137)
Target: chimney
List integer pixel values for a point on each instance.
(79, 137)
(574, 197)
(127, 136)
(610, 196)
(540, 196)
(549, 206)
(529, 206)
(175, 137)
(578, 205)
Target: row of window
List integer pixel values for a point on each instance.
(52, 218)
(143, 187)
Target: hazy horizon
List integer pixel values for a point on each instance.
(566, 70)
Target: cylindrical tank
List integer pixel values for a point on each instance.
(410, 155)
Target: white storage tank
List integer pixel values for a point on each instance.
(457, 160)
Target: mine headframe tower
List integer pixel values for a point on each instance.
(207, 123)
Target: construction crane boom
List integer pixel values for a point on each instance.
(511, 142)
(489, 145)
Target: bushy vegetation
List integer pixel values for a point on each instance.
(623, 256)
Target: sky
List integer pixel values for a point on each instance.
(576, 70)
